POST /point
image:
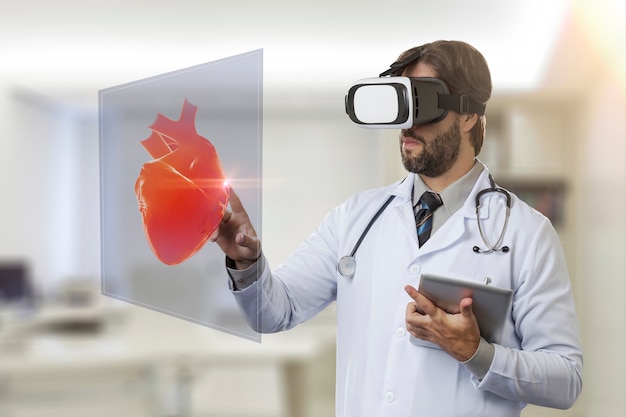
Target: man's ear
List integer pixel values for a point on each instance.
(468, 121)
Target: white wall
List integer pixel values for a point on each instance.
(49, 185)
(313, 159)
(600, 260)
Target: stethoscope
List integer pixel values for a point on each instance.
(498, 246)
(347, 264)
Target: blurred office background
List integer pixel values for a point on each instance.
(556, 134)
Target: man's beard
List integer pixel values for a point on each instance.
(437, 156)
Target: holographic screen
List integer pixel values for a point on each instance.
(170, 146)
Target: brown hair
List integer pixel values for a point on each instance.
(464, 69)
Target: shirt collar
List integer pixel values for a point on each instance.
(455, 194)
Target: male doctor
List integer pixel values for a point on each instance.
(384, 368)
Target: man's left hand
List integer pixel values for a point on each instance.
(457, 334)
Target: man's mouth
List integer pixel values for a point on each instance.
(410, 140)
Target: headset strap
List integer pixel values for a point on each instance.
(460, 104)
(397, 67)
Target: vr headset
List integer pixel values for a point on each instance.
(396, 102)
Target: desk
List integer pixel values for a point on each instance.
(161, 356)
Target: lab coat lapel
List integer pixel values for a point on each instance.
(403, 206)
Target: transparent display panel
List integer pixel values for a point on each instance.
(170, 147)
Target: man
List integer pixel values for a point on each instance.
(384, 366)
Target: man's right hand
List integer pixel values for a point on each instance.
(236, 235)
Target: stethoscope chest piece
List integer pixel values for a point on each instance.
(347, 266)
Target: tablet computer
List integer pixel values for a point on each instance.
(491, 304)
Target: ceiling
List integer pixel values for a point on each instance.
(69, 46)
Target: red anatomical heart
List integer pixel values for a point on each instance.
(182, 193)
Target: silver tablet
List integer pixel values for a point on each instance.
(491, 304)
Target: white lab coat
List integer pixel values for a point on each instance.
(381, 371)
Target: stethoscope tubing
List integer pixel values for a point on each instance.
(371, 223)
(347, 264)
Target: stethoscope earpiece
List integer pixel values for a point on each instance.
(503, 249)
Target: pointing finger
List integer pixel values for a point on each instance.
(235, 202)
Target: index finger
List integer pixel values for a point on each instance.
(411, 291)
(234, 201)
(423, 303)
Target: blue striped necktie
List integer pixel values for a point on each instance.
(429, 202)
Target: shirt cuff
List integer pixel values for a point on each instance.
(480, 363)
(243, 278)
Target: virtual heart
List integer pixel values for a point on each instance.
(182, 193)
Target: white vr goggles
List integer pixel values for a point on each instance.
(402, 102)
